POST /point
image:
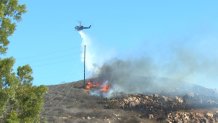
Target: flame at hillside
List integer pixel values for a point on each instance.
(97, 88)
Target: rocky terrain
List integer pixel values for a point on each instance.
(69, 103)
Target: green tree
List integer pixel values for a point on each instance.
(10, 12)
(20, 102)
(25, 74)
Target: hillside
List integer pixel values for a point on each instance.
(67, 103)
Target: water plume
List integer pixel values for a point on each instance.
(90, 55)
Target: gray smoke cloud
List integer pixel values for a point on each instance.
(134, 76)
(184, 67)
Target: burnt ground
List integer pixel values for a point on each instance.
(69, 103)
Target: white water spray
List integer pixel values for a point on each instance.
(90, 55)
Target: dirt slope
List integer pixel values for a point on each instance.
(69, 103)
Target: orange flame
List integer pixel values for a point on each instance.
(89, 85)
(105, 88)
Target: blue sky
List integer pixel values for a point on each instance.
(46, 39)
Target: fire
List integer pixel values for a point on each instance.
(89, 85)
(100, 87)
(105, 88)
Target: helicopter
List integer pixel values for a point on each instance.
(81, 27)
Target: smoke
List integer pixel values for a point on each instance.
(190, 62)
(186, 65)
(132, 76)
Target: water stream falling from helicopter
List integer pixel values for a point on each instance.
(90, 55)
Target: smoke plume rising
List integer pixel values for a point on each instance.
(184, 68)
(185, 65)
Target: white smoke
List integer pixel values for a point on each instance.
(90, 54)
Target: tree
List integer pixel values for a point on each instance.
(19, 100)
(10, 12)
(25, 74)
